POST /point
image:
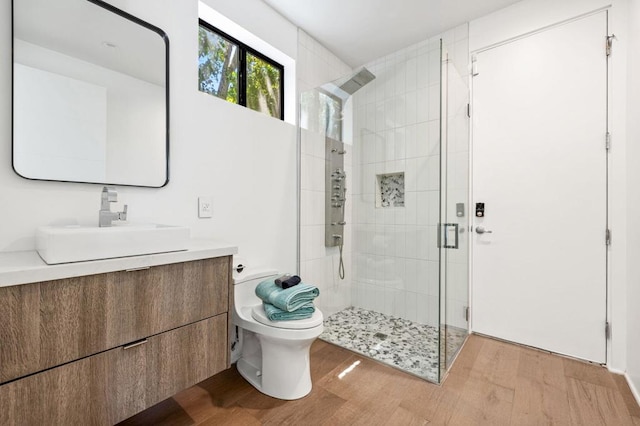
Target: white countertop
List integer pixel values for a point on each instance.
(23, 267)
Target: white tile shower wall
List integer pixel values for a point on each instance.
(396, 129)
(319, 264)
(316, 65)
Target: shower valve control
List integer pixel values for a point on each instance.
(479, 209)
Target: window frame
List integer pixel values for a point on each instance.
(243, 49)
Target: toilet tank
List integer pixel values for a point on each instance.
(245, 282)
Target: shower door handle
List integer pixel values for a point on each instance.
(448, 235)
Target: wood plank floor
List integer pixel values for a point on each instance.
(491, 383)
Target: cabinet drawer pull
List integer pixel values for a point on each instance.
(134, 344)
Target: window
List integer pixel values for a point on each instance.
(235, 72)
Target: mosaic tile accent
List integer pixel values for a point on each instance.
(391, 189)
(397, 342)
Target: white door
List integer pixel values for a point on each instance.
(540, 168)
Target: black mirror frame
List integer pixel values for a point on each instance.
(136, 20)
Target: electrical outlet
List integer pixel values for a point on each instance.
(205, 207)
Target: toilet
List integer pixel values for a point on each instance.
(272, 355)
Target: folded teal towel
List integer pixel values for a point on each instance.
(275, 314)
(288, 299)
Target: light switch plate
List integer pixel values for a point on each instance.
(205, 207)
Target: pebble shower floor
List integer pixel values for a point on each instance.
(400, 343)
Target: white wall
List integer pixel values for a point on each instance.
(633, 194)
(532, 15)
(524, 17)
(242, 158)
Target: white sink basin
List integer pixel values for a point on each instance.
(64, 244)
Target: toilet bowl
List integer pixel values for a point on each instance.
(274, 356)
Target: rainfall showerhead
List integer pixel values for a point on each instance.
(357, 81)
(346, 86)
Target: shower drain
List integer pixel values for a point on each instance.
(380, 336)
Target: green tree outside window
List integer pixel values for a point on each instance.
(259, 87)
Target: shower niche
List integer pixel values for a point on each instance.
(335, 192)
(390, 190)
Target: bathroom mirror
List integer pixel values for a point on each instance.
(90, 94)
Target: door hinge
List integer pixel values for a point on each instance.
(469, 110)
(607, 330)
(474, 66)
(609, 45)
(466, 313)
(608, 141)
(607, 237)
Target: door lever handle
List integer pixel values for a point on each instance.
(481, 230)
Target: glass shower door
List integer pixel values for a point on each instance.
(403, 298)
(454, 212)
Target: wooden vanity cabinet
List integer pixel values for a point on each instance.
(99, 349)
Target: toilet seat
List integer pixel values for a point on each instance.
(258, 314)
